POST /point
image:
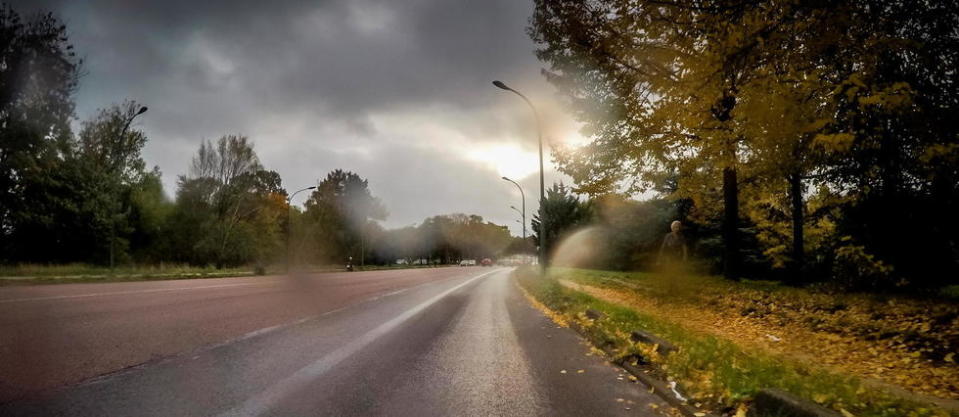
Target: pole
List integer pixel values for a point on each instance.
(522, 216)
(289, 228)
(523, 196)
(542, 187)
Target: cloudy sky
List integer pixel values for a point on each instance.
(398, 91)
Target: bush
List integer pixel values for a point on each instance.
(856, 269)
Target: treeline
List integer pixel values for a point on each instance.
(447, 239)
(340, 221)
(89, 196)
(802, 140)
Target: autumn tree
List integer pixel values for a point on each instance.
(845, 103)
(229, 208)
(457, 236)
(657, 85)
(899, 137)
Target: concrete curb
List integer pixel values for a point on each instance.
(768, 401)
(662, 346)
(774, 402)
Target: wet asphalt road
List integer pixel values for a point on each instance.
(442, 342)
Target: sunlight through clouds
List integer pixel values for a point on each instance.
(507, 159)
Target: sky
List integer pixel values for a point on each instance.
(397, 91)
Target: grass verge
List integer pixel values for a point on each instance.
(30, 274)
(715, 371)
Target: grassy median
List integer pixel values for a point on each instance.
(736, 338)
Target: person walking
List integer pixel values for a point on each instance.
(674, 246)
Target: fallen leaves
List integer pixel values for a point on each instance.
(895, 341)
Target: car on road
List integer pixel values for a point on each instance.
(468, 262)
(486, 262)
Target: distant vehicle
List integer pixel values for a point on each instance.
(486, 262)
(468, 262)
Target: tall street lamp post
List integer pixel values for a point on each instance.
(289, 228)
(542, 189)
(522, 216)
(113, 225)
(523, 196)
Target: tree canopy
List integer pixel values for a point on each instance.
(821, 119)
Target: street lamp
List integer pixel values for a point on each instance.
(522, 216)
(289, 227)
(523, 196)
(542, 189)
(113, 226)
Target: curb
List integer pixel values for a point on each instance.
(660, 388)
(767, 402)
(774, 402)
(662, 346)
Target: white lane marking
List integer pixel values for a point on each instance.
(195, 353)
(101, 294)
(262, 402)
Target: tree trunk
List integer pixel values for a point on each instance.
(798, 218)
(722, 111)
(730, 224)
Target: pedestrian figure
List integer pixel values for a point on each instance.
(674, 245)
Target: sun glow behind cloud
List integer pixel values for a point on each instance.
(507, 159)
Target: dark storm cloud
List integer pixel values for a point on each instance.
(398, 91)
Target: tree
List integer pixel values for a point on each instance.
(632, 231)
(149, 214)
(893, 148)
(563, 212)
(38, 77)
(656, 84)
(849, 103)
(229, 208)
(457, 236)
(339, 213)
(110, 168)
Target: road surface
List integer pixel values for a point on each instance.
(419, 342)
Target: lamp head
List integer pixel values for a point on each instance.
(500, 84)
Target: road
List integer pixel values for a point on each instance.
(419, 342)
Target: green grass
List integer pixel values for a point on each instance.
(84, 273)
(81, 273)
(81, 270)
(713, 370)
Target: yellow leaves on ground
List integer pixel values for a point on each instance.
(888, 341)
